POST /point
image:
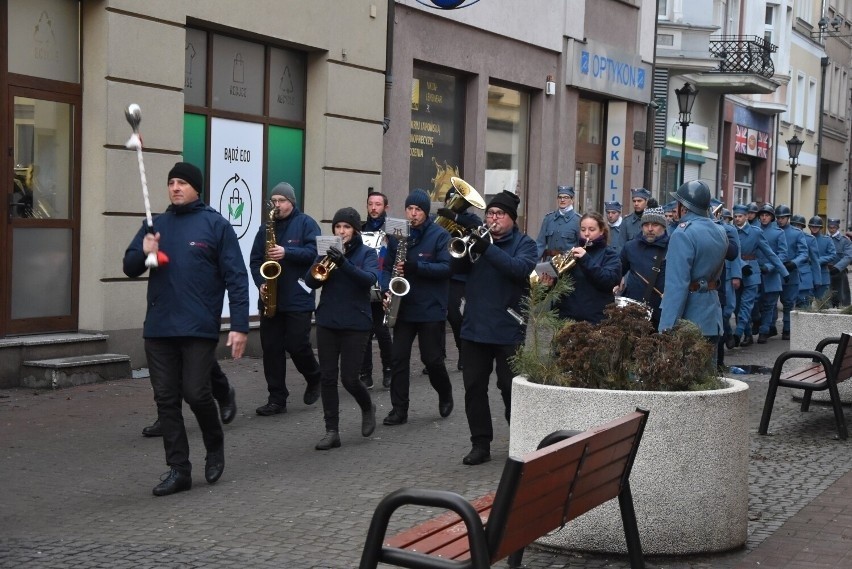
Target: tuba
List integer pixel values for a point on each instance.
(270, 270)
(465, 197)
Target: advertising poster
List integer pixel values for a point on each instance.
(236, 175)
(435, 144)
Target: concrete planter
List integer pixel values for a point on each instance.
(808, 328)
(690, 479)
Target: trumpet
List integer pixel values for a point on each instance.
(322, 269)
(461, 246)
(561, 262)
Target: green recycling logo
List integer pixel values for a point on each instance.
(236, 199)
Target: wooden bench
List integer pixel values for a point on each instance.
(571, 473)
(824, 374)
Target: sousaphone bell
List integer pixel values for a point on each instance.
(465, 197)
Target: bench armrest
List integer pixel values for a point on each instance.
(374, 550)
(811, 355)
(827, 342)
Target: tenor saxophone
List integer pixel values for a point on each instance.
(398, 285)
(270, 270)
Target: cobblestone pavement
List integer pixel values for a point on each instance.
(77, 476)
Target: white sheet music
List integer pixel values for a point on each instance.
(326, 241)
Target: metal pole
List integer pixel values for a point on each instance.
(683, 125)
(824, 65)
(792, 186)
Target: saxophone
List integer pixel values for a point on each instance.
(270, 270)
(398, 285)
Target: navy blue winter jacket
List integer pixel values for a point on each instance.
(345, 300)
(430, 283)
(496, 282)
(298, 235)
(595, 275)
(185, 296)
(639, 256)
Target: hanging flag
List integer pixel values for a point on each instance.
(741, 140)
(762, 144)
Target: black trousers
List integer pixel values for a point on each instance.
(840, 289)
(383, 337)
(454, 314)
(479, 360)
(346, 348)
(219, 383)
(287, 332)
(180, 371)
(428, 336)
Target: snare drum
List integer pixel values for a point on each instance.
(623, 301)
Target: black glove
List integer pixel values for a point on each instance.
(747, 271)
(790, 265)
(409, 267)
(478, 245)
(336, 255)
(447, 212)
(833, 270)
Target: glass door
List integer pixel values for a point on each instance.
(41, 245)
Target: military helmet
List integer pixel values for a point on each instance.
(695, 196)
(798, 220)
(783, 211)
(726, 214)
(767, 208)
(815, 221)
(752, 207)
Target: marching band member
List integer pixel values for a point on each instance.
(489, 333)
(344, 321)
(643, 263)
(423, 310)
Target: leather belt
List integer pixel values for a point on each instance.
(695, 286)
(748, 257)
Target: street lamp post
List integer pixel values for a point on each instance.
(685, 99)
(794, 146)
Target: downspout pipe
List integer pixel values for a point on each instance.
(388, 65)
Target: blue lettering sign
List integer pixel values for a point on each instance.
(584, 63)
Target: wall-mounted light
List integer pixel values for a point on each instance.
(549, 86)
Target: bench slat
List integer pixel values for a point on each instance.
(449, 535)
(403, 540)
(809, 374)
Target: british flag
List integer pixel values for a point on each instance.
(763, 144)
(741, 140)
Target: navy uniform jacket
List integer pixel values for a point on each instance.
(755, 251)
(298, 235)
(631, 226)
(810, 275)
(594, 276)
(185, 296)
(696, 256)
(797, 252)
(430, 284)
(497, 281)
(345, 300)
(639, 256)
(771, 276)
(827, 254)
(558, 232)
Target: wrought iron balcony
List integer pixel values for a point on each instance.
(744, 54)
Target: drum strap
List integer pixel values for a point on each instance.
(652, 278)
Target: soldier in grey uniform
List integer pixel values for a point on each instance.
(616, 225)
(560, 229)
(837, 269)
(633, 222)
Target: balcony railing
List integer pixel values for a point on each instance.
(744, 54)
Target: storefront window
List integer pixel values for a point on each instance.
(437, 126)
(506, 140)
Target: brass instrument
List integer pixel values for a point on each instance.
(561, 262)
(461, 246)
(465, 197)
(321, 270)
(398, 285)
(270, 270)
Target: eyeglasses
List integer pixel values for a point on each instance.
(278, 201)
(495, 213)
(563, 197)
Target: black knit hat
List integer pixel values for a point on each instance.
(190, 174)
(507, 201)
(347, 215)
(420, 199)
